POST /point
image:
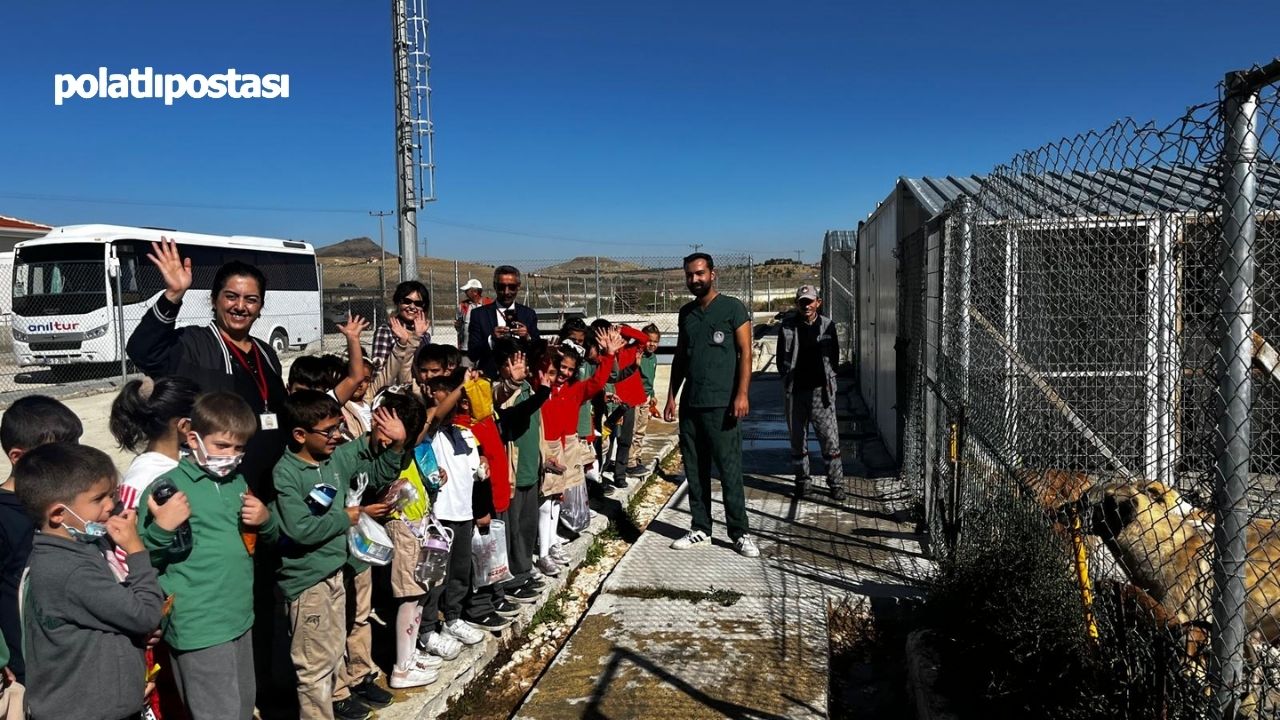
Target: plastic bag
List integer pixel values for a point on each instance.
(489, 555)
(433, 557)
(370, 542)
(575, 513)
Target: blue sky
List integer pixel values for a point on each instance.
(628, 129)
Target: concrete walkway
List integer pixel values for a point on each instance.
(670, 636)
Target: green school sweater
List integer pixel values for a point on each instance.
(315, 546)
(585, 425)
(529, 443)
(648, 370)
(212, 582)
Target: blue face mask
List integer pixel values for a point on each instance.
(91, 532)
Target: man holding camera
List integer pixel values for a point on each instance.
(504, 317)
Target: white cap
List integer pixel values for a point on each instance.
(472, 284)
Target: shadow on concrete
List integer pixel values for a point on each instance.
(621, 656)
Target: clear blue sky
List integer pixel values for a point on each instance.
(638, 127)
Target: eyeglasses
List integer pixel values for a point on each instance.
(419, 303)
(331, 433)
(507, 286)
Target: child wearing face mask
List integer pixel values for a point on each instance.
(82, 630)
(210, 578)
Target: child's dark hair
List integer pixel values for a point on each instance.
(409, 410)
(505, 347)
(335, 369)
(447, 383)
(223, 412)
(452, 356)
(35, 420)
(598, 324)
(57, 472)
(310, 372)
(145, 408)
(433, 352)
(651, 329)
(573, 325)
(307, 408)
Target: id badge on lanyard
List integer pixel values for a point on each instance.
(267, 420)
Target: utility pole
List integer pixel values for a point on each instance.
(415, 133)
(382, 269)
(695, 246)
(799, 259)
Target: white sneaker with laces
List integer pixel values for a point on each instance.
(442, 645)
(413, 676)
(464, 631)
(691, 538)
(746, 547)
(427, 660)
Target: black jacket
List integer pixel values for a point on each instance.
(160, 349)
(16, 533)
(483, 321)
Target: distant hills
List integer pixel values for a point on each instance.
(357, 247)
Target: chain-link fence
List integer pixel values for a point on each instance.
(1090, 337)
(839, 283)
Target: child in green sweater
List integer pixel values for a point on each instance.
(311, 482)
(205, 564)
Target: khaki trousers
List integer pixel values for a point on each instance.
(318, 636)
(359, 662)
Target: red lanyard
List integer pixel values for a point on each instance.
(259, 375)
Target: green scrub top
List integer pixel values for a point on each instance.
(711, 351)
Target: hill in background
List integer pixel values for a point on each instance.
(358, 247)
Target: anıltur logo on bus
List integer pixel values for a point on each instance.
(52, 326)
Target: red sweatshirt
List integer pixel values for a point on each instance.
(494, 452)
(560, 411)
(630, 389)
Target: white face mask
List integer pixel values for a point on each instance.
(91, 532)
(216, 465)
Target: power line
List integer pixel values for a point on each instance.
(433, 220)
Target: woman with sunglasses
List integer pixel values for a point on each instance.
(411, 298)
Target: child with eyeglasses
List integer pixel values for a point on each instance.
(312, 482)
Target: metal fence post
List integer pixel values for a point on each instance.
(751, 301)
(597, 286)
(320, 282)
(431, 294)
(1235, 391)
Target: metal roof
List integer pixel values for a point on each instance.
(836, 240)
(1099, 193)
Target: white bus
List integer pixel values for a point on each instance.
(79, 292)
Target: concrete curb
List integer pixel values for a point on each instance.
(927, 703)
(457, 675)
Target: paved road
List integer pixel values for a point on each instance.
(645, 650)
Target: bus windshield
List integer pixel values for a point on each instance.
(63, 279)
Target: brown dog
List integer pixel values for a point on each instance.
(1162, 542)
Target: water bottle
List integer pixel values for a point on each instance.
(433, 558)
(165, 489)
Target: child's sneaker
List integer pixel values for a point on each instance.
(525, 594)
(506, 608)
(464, 632)
(493, 622)
(413, 676)
(352, 709)
(558, 557)
(442, 645)
(746, 547)
(427, 660)
(547, 566)
(370, 694)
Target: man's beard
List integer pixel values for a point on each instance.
(699, 289)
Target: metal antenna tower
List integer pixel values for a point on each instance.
(415, 133)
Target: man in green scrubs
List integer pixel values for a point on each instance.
(713, 362)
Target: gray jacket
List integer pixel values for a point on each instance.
(788, 354)
(84, 632)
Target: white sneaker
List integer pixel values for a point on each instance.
(691, 538)
(443, 646)
(414, 676)
(746, 547)
(464, 632)
(427, 660)
(593, 475)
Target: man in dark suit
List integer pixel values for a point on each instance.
(504, 317)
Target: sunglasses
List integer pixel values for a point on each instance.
(507, 286)
(329, 434)
(419, 303)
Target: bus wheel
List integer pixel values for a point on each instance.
(279, 341)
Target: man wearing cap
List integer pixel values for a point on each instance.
(713, 363)
(472, 298)
(808, 352)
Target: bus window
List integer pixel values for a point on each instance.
(59, 280)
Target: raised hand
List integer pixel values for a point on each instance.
(400, 330)
(389, 424)
(515, 368)
(547, 373)
(609, 340)
(421, 324)
(354, 325)
(174, 269)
